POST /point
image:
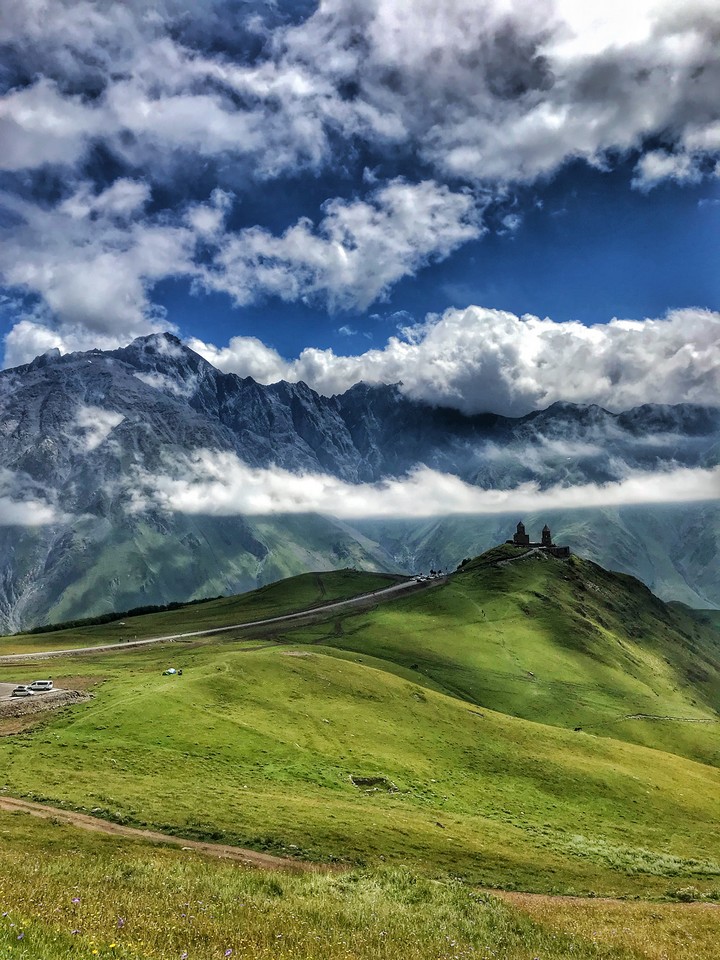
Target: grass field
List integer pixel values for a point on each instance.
(65, 895)
(257, 745)
(429, 746)
(287, 596)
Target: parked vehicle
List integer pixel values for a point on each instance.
(22, 691)
(41, 686)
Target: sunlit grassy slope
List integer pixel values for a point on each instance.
(560, 642)
(438, 731)
(285, 596)
(257, 746)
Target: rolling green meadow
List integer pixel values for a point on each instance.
(537, 726)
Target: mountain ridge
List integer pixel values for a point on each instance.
(76, 429)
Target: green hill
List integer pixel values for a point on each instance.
(297, 750)
(437, 730)
(302, 592)
(565, 643)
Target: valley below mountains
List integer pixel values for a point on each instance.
(93, 447)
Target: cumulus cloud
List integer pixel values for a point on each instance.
(94, 265)
(248, 357)
(658, 166)
(490, 90)
(219, 484)
(358, 250)
(479, 359)
(30, 337)
(88, 264)
(483, 93)
(89, 261)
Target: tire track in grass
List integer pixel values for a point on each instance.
(248, 858)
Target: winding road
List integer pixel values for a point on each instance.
(387, 593)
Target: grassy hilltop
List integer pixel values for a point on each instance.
(535, 725)
(565, 643)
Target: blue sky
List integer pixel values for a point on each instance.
(289, 185)
(588, 248)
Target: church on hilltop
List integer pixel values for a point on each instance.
(522, 539)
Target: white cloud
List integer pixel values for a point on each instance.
(658, 166)
(486, 92)
(358, 250)
(207, 219)
(122, 199)
(39, 125)
(95, 425)
(94, 264)
(489, 90)
(161, 381)
(30, 338)
(24, 504)
(218, 483)
(248, 357)
(479, 359)
(91, 264)
(27, 513)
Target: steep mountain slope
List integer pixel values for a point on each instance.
(78, 432)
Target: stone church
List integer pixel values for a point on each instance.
(522, 539)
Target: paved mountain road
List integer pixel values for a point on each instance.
(387, 593)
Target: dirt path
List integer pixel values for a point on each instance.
(529, 900)
(266, 861)
(535, 551)
(249, 858)
(377, 595)
(649, 716)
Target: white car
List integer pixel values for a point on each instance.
(41, 686)
(22, 691)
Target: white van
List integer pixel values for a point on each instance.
(41, 686)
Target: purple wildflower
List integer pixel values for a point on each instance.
(75, 900)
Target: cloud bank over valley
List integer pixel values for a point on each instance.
(220, 484)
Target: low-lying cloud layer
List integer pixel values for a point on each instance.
(479, 359)
(220, 484)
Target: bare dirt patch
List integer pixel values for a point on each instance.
(373, 784)
(40, 703)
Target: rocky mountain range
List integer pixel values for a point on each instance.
(81, 433)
